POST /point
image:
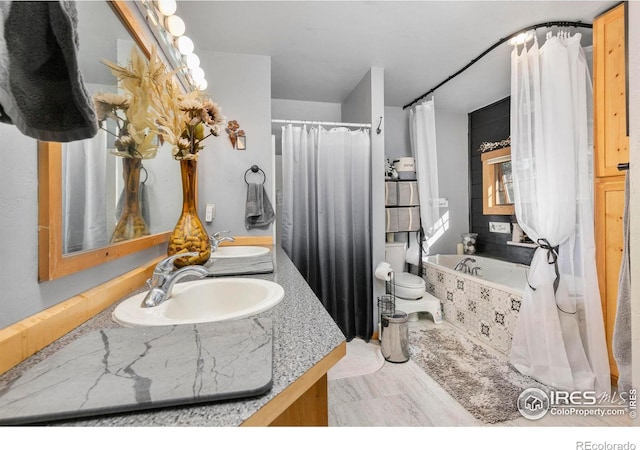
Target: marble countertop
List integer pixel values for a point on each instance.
(303, 334)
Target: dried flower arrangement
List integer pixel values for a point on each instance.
(185, 120)
(133, 111)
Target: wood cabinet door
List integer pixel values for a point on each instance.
(609, 92)
(609, 209)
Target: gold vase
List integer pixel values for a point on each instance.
(131, 224)
(189, 234)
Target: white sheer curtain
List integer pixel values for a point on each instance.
(422, 132)
(84, 216)
(326, 219)
(559, 336)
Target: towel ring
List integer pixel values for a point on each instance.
(255, 169)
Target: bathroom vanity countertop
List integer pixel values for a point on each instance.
(303, 334)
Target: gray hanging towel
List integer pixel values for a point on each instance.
(259, 212)
(41, 88)
(622, 326)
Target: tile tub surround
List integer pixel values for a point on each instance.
(477, 307)
(303, 334)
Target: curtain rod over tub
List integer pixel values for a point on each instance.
(333, 124)
(500, 42)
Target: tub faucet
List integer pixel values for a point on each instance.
(165, 277)
(462, 265)
(216, 240)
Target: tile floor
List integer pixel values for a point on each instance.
(404, 395)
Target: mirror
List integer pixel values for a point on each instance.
(497, 183)
(81, 183)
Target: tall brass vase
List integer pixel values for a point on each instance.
(131, 224)
(189, 234)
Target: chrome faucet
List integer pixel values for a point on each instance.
(165, 277)
(463, 267)
(216, 240)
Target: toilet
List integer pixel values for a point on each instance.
(410, 290)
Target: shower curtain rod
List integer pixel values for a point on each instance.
(311, 122)
(500, 42)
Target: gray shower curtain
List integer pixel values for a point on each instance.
(326, 215)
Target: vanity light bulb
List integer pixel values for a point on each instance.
(167, 7)
(175, 25)
(192, 61)
(185, 45)
(202, 85)
(197, 74)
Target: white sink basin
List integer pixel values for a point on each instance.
(209, 300)
(239, 251)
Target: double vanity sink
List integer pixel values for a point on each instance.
(208, 300)
(263, 330)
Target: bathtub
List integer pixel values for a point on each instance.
(485, 306)
(494, 273)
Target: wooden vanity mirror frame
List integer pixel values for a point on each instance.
(488, 185)
(52, 263)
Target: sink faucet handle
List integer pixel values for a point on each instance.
(166, 265)
(217, 234)
(164, 268)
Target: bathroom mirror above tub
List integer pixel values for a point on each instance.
(497, 183)
(81, 183)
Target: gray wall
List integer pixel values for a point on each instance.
(453, 178)
(396, 132)
(241, 85)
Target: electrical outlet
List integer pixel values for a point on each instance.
(500, 227)
(210, 212)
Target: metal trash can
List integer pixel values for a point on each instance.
(394, 337)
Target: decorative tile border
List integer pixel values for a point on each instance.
(487, 313)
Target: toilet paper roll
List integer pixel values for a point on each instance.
(384, 271)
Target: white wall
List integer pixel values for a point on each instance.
(241, 85)
(365, 104)
(634, 201)
(22, 295)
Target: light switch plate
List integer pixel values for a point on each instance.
(500, 227)
(210, 213)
